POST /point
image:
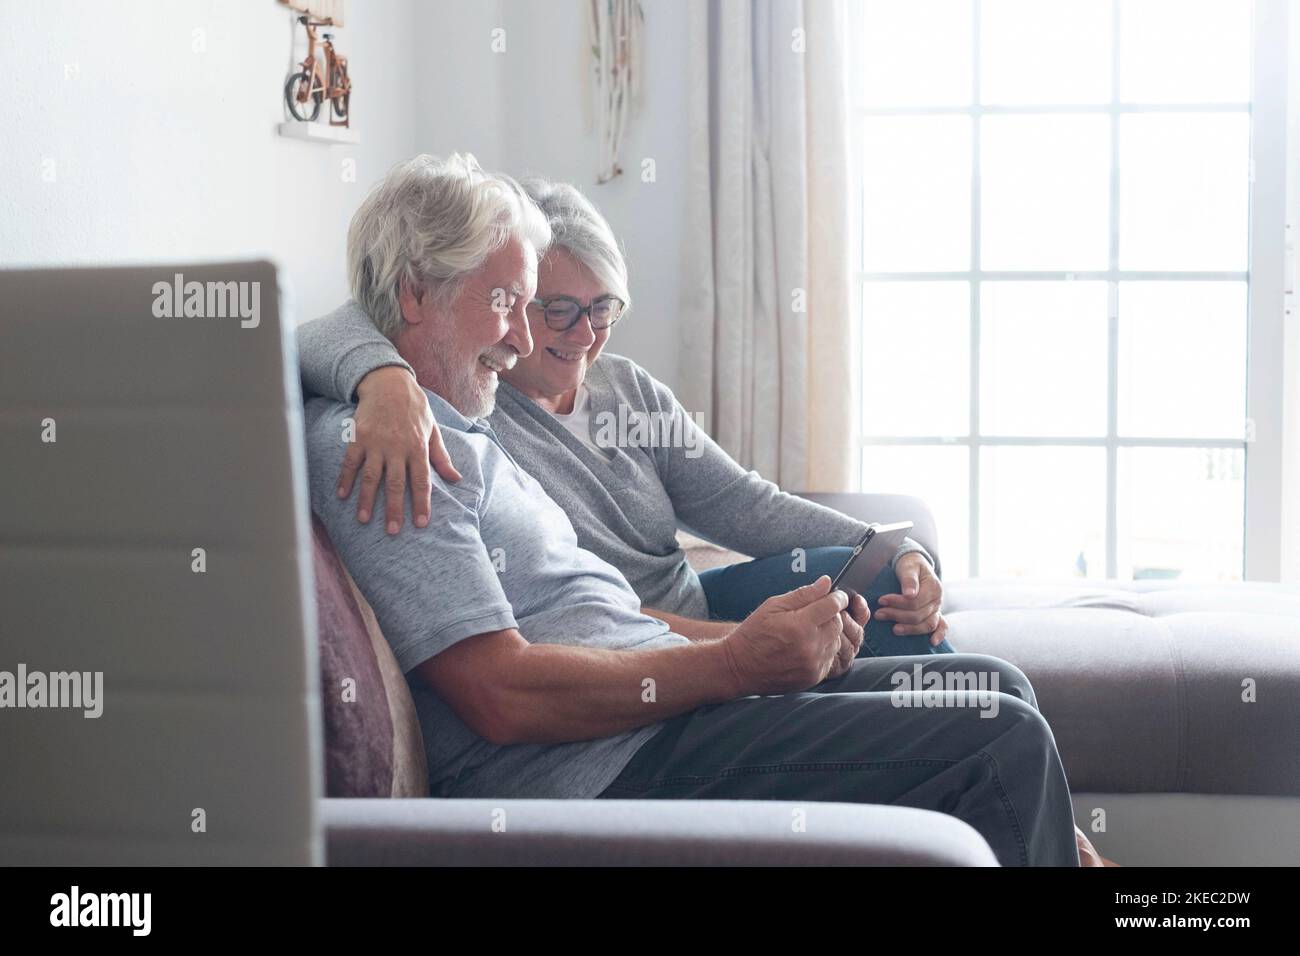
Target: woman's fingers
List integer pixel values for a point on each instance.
(923, 621)
(940, 632)
(907, 615)
(421, 489)
(371, 472)
(422, 478)
(930, 592)
(352, 460)
(928, 626)
(396, 436)
(440, 459)
(394, 494)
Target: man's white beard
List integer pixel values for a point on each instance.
(471, 391)
(465, 383)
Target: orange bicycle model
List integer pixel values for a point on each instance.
(306, 90)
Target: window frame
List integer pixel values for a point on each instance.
(1269, 269)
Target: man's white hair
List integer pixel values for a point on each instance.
(577, 226)
(431, 222)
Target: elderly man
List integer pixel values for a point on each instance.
(533, 670)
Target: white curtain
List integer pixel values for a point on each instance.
(767, 280)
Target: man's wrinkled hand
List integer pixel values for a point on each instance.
(853, 621)
(790, 642)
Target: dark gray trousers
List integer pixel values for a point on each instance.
(989, 759)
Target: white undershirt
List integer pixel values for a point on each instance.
(578, 421)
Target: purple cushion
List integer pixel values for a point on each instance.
(373, 746)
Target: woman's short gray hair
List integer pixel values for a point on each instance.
(578, 227)
(432, 222)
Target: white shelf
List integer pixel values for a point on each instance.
(319, 132)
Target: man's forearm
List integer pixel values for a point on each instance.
(558, 692)
(690, 627)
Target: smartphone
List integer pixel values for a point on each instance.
(870, 556)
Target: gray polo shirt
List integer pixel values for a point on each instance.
(497, 553)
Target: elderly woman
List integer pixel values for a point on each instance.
(626, 501)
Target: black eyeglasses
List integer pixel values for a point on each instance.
(562, 312)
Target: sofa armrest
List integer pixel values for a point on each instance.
(445, 832)
(883, 508)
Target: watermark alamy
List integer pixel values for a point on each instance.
(82, 690)
(208, 300)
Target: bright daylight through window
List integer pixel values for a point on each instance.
(1055, 252)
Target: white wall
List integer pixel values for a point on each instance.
(529, 110)
(1291, 337)
(458, 79)
(162, 152)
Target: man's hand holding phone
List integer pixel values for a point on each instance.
(853, 622)
(796, 640)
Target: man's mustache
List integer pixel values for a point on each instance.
(505, 357)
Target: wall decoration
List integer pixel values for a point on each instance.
(319, 78)
(331, 10)
(615, 30)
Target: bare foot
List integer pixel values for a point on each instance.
(1088, 855)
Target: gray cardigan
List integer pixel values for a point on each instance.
(626, 508)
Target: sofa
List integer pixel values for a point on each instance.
(1175, 706)
(165, 540)
(161, 536)
(1141, 683)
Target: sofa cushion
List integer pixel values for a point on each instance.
(1150, 686)
(564, 832)
(373, 744)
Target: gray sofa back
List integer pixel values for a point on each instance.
(154, 531)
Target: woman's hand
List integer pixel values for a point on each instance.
(395, 433)
(917, 609)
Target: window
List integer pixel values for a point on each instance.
(1060, 240)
